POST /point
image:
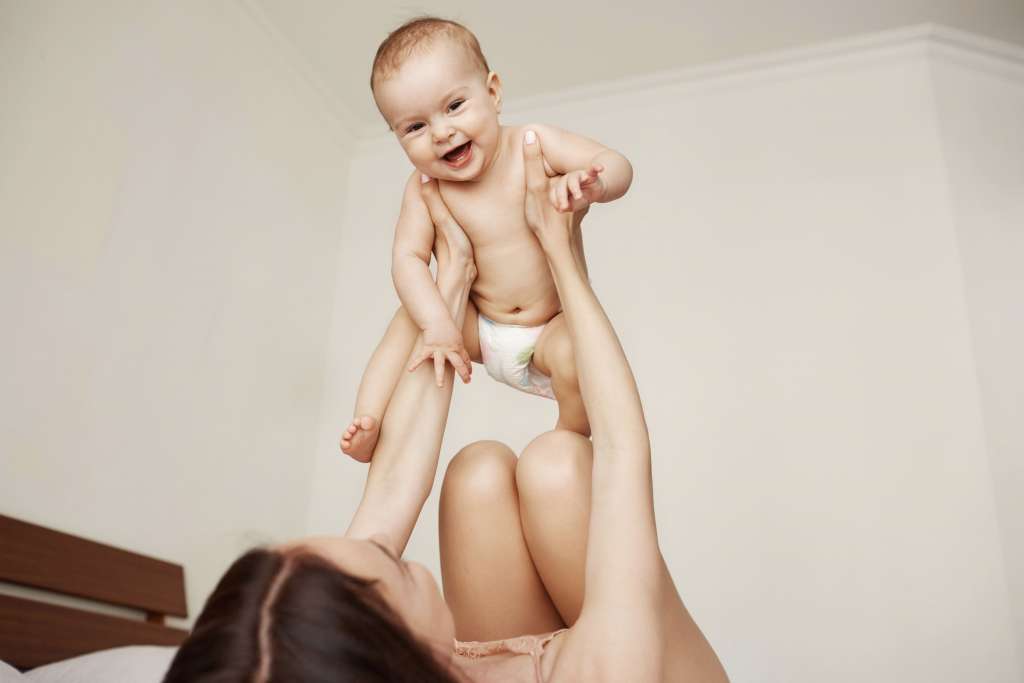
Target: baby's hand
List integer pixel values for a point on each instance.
(443, 342)
(577, 189)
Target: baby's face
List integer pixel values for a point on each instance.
(444, 112)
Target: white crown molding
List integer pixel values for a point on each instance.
(946, 37)
(913, 40)
(285, 51)
(978, 53)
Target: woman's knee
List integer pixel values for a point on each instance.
(555, 463)
(480, 470)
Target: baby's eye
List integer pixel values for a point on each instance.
(456, 104)
(413, 128)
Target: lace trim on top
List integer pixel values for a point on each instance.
(523, 645)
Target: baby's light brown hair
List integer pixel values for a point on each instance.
(414, 37)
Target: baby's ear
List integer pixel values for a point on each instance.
(494, 89)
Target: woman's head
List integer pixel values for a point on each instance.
(324, 609)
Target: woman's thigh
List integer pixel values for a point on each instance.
(553, 478)
(489, 578)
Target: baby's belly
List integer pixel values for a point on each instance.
(515, 296)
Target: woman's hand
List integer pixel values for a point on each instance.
(552, 227)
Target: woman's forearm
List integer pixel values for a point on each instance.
(405, 461)
(606, 380)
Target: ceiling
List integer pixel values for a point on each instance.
(543, 47)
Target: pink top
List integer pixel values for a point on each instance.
(523, 645)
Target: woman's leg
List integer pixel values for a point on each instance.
(553, 477)
(489, 579)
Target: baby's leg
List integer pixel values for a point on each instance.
(554, 356)
(379, 381)
(381, 376)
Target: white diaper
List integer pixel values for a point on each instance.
(507, 352)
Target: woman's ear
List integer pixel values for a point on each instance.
(494, 89)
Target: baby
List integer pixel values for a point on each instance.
(433, 86)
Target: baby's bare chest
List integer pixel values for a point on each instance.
(491, 213)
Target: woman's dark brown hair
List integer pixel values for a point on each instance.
(295, 617)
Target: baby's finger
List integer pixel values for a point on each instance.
(563, 194)
(419, 360)
(439, 368)
(460, 366)
(574, 186)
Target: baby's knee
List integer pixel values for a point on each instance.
(561, 359)
(554, 463)
(481, 469)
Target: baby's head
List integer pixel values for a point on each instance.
(432, 85)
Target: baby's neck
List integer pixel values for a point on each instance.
(499, 153)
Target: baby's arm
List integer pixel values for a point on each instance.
(592, 173)
(410, 271)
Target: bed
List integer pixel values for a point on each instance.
(42, 641)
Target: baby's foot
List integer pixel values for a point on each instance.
(360, 438)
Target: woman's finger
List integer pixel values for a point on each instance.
(536, 179)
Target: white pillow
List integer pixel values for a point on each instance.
(8, 674)
(136, 663)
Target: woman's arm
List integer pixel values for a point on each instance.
(622, 529)
(405, 460)
(630, 610)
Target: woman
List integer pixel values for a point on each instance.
(339, 609)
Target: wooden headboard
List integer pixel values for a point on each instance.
(33, 633)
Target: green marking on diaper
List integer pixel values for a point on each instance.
(524, 356)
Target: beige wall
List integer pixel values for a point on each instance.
(170, 200)
(981, 106)
(786, 277)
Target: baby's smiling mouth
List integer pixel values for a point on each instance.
(456, 154)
